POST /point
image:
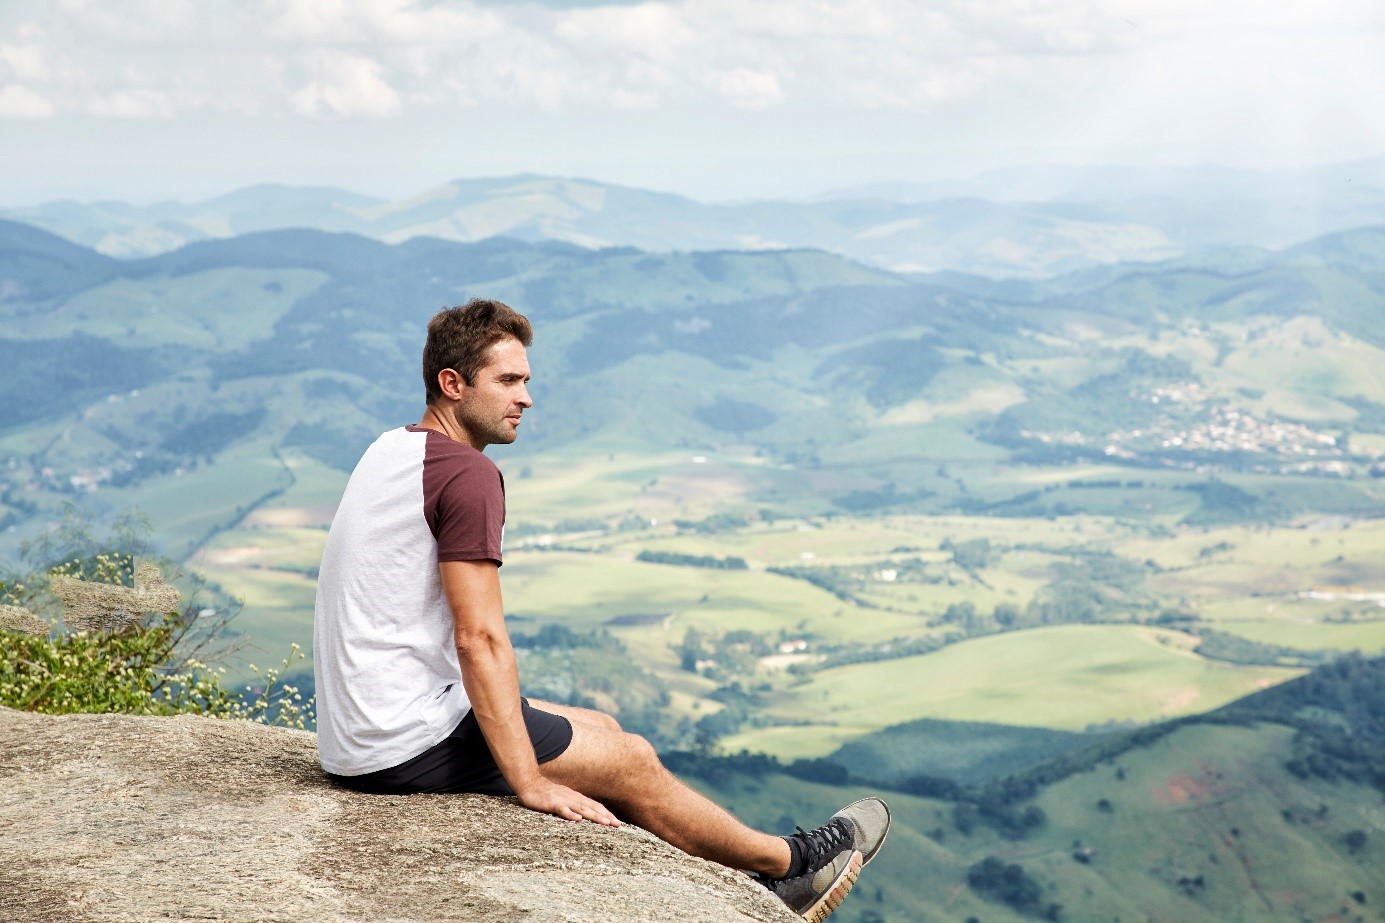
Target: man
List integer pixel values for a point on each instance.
(417, 686)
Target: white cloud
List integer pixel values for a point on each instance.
(379, 57)
(344, 85)
(134, 103)
(1026, 77)
(389, 22)
(747, 88)
(17, 102)
(657, 31)
(26, 62)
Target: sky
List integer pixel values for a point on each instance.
(145, 100)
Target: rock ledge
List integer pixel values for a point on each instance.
(116, 817)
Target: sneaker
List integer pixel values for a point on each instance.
(815, 894)
(833, 855)
(869, 820)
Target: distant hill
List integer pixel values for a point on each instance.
(1033, 222)
(801, 355)
(1029, 222)
(1267, 809)
(36, 265)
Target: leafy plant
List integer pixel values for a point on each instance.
(151, 666)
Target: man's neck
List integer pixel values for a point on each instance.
(440, 421)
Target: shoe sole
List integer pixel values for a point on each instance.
(834, 896)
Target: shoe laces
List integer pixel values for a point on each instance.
(821, 844)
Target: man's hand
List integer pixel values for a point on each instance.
(549, 797)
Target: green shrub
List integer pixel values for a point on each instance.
(144, 670)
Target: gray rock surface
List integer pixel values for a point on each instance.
(116, 817)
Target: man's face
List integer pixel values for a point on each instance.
(490, 408)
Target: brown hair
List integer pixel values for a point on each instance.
(459, 337)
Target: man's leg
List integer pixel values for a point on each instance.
(623, 772)
(588, 716)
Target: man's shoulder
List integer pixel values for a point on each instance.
(455, 456)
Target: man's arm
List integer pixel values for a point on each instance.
(491, 679)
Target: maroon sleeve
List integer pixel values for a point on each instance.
(463, 501)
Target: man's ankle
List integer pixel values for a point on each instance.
(780, 859)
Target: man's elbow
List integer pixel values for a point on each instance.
(481, 645)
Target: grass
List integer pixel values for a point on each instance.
(588, 591)
(1213, 802)
(610, 485)
(1066, 677)
(291, 549)
(216, 309)
(967, 752)
(311, 501)
(222, 490)
(1366, 637)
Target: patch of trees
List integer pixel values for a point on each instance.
(205, 436)
(890, 372)
(717, 522)
(1012, 886)
(843, 655)
(142, 468)
(730, 655)
(1001, 806)
(692, 560)
(720, 769)
(1223, 503)
(865, 501)
(73, 371)
(1219, 645)
(1094, 587)
(1348, 742)
(560, 637)
(562, 526)
(970, 555)
(841, 582)
(733, 416)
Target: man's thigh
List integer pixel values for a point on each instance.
(602, 761)
(582, 716)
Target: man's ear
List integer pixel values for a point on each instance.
(452, 384)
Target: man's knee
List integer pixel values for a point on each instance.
(608, 722)
(641, 752)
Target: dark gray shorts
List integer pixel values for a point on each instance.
(462, 762)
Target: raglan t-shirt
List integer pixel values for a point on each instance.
(384, 652)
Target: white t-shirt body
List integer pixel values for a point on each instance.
(384, 651)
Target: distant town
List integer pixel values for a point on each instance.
(1196, 426)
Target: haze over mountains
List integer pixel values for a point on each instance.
(1026, 222)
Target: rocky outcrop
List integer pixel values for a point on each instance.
(115, 817)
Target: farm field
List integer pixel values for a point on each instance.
(1066, 677)
(1252, 582)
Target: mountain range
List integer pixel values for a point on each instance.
(1030, 222)
(117, 373)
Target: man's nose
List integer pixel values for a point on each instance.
(524, 399)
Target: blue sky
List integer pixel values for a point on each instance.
(719, 99)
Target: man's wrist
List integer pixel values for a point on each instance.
(526, 781)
